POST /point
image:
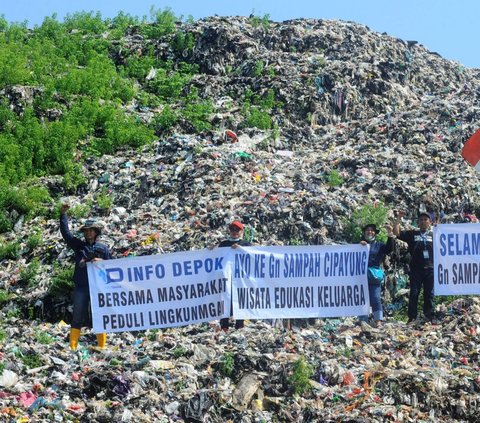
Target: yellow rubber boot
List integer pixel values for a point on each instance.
(101, 340)
(74, 335)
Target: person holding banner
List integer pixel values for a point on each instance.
(420, 247)
(235, 240)
(375, 273)
(85, 251)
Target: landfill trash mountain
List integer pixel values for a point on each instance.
(359, 118)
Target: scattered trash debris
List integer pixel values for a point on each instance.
(365, 118)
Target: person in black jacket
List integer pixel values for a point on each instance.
(234, 240)
(420, 247)
(88, 250)
(378, 251)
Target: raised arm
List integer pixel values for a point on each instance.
(70, 239)
(390, 240)
(396, 222)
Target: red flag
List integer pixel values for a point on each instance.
(471, 150)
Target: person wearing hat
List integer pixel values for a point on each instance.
(378, 251)
(235, 240)
(85, 250)
(420, 247)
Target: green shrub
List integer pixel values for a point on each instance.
(148, 100)
(61, 282)
(31, 360)
(334, 179)
(295, 241)
(5, 222)
(3, 24)
(263, 21)
(34, 239)
(120, 23)
(271, 71)
(179, 352)
(257, 109)
(267, 102)
(344, 352)
(138, 67)
(227, 364)
(112, 129)
(14, 56)
(127, 132)
(256, 118)
(9, 250)
(98, 79)
(164, 23)
(152, 335)
(300, 377)
(183, 42)
(104, 200)
(14, 312)
(166, 120)
(115, 362)
(29, 200)
(401, 314)
(60, 141)
(29, 273)
(85, 22)
(3, 336)
(197, 111)
(168, 85)
(258, 68)
(4, 296)
(44, 338)
(50, 29)
(375, 213)
(73, 177)
(80, 210)
(54, 212)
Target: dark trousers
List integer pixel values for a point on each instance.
(224, 323)
(420, 278)
(81, 306)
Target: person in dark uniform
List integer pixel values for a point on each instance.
(85, 250)
(235, 240)
(420, 247)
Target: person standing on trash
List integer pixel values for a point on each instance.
(420, 247)
(235, 240)
(375, 273)
(88, 250)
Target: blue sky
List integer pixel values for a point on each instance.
(447, 27)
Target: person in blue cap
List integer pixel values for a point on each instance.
(420, 247)
(88, 249)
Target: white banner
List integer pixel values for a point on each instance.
(457, 259)
(304, 281)
(159, 291)
(184, 288)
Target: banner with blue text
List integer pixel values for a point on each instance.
(457, 259)
(159, 291)
(184, 288)
(303, 281)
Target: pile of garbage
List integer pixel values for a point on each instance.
(332, 370)
(359, 118)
